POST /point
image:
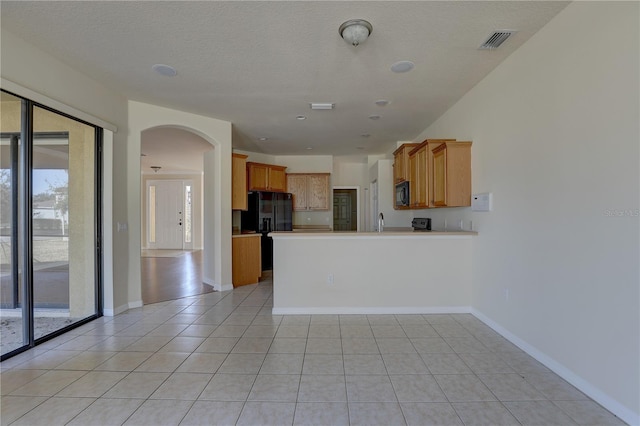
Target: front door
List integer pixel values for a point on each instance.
(165, 214)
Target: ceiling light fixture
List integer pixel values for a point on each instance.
(155, 168)
(316, 105)
(263, 139)
(301, 117)
(382, 102)
(166, 70)
(374, 117)
(365, 135)
(355, 31)
(309, 148)
(402, 66)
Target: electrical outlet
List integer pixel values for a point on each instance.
(460, 224)
(330, 279)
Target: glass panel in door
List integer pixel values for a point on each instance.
(63, 221)
(12, 325)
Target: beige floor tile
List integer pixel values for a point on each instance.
(292, 330)
(11, 380)
(554, 387)
(353, 320)
(49, 383)
(486, 363)
(370, 389)
(93, 384)
(382, 320)
(81, 343)
(275, 387)
(324, 346)
(137, 385)
(484, 414)
(324, 331)
(510, 387)
(202, 363)
(13, 407)
(447, 363)
(433, 414)
(322, 388)
(535, 413)
(296, 320)
(411, 319)
(379, 413)
(124, 361)
(54, 411)
(321, 413)
(182, 344)
(282, 364)
(267, 413)
(114, 343)
(196, 330)
(261, 331)
(364, 364)
(87, 360)
(212, 413)
(388, 331)
(395, 345)
(222, 345)
(229, 331)
(588, 413)
(414, 331)
(431, 345)
(287, 345)
(417, 388)
(466, 345)
(404, 364)
(158, 412)
(163, 362)
(228, 387)
(186, 386)
(48, 360)
(106, 412)
(148, 344)
(464, 387)
(252, 345)
(451, 330)
(242, 364)
(356, 331)
(351, 345)
(322, 364)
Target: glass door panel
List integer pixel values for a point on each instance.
(63, 221)
(12, 325)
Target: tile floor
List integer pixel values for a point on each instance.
(223, 358)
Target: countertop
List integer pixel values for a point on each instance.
(386, 233)
(245, 234)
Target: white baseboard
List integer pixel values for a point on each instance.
(584, 386)
(217, 286)
(346, 310)
(122, 308)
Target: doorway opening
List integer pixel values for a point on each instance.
(346, 209)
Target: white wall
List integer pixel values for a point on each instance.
(382, 171)
(36, 70)
(555, 138)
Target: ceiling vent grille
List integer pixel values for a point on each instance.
(496, 39)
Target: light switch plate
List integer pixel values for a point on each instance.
(482, 202)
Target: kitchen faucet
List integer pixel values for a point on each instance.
(380, 222)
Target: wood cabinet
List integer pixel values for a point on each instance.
(310, 190)
(246, 261)
(451, 174)
(238, 182)
(401, 166)
(266, 177)
(420, 183)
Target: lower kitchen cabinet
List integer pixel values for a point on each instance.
(246, 259)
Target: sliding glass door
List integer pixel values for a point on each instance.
(52, 252)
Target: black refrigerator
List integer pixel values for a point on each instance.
(266, 212)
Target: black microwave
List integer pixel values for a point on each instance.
(402, 194)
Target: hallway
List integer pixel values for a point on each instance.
(170, 278)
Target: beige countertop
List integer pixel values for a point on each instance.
(245, 235)
(387, 233)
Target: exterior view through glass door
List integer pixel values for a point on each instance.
(49, 235)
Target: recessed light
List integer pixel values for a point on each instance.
(263, 139)
(316, 105)
(309, 148)
(365, 135)
(301, 117)
(374, 117)
(382, 102)
(402, 66)
(166, 70)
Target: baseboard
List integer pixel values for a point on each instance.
(122, 308)
(346, 310)
(217, 286)
(584, 386)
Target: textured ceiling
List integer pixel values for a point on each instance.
(260, 64)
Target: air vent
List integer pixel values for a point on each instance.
(496, 39)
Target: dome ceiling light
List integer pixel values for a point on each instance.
(355, 31)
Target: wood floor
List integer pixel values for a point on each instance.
(170, 278)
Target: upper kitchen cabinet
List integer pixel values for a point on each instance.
(266, 177)
(451, 173)
(420, 186)
(310, 190)
(238, 182)
(401, 167)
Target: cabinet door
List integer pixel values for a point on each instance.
(440, 177)
(258, 177)
(277, 180)
(317, 192)
(297, 185)
(239, 182)
(398, 168)
(414, 182)
(422, 178)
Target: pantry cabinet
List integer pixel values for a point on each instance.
(266, 177)
(310, 191)
(238, 182)
(451, 174)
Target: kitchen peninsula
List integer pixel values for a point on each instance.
(391, 272)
